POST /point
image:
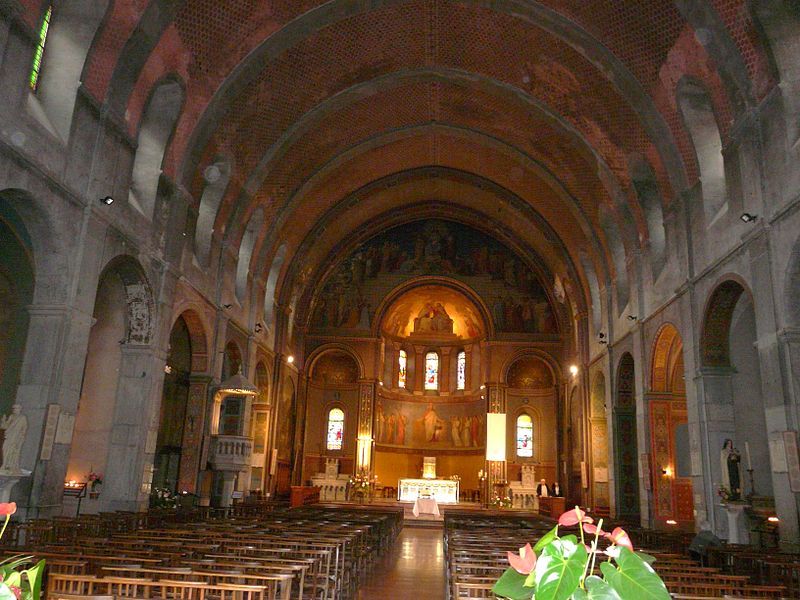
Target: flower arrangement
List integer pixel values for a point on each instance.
(162, 498)
(360, 483)
(498, 502)
(94, 479)
(562, 567)
(16, 583)
(724, 493)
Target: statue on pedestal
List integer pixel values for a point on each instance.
(730, 459)
(14, 427)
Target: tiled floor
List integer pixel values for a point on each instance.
(413, 570)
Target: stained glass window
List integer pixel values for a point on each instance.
(431, 371)
(524, 436)
(335, 429)
(39, 53)
(461, 371)
(401, 364)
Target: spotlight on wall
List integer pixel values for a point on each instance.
(573, 369)
(671, 522)
(666, 471)
(107, 200)
(258, 328)
(748, 218)
(632, 318)
(773, 519)
(290, 359)
(601, 338)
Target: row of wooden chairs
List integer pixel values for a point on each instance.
(477, 546)
(319, 553)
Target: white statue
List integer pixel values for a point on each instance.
(14, 427)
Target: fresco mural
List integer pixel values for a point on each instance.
(430, 425)
(512, 291)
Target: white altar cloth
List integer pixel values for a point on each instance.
(425, 506)
(444, 491)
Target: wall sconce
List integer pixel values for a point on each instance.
(666, 471)
(748, 218)
(290, 359)
(573, 369)
(671, 522)
(632, 318)
(107, 200)
(773, 519)
(259, 328)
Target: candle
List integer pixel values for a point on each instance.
(747, 453)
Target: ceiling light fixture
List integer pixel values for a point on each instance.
(107, 200)
(748, 218)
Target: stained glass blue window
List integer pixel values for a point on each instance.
(402, 362)
(524, 436)
(461, 371)
(335, 429)
(431, 371)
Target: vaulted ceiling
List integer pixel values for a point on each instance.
(528, 117)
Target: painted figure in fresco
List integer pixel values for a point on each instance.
(475, 429)
(432, 424)
(380, 421)
(466, 431)
(730, 460)
(402, 421)
(391, 423)
(455, 427)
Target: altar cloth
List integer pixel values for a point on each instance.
(425, 506)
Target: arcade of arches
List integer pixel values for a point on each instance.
(241, 239)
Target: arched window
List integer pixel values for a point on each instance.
(461, 370)
(36, 68)
(524, 436)
(335, 429)
(402, 363)
(431, 371)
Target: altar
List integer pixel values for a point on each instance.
(444, 491)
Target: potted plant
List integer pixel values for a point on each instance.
(562, 567)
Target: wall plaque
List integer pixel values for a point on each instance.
(49, 435)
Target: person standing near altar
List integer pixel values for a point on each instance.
(556, 489)
(542, 489)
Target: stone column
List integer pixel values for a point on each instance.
(419, 369)
(193, 432)
(49, 375)
(444, 369)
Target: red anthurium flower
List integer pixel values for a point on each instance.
(573, 517)
(16, 591)
(524, 562)
(593, 529)
(621, 538)
(7, 508)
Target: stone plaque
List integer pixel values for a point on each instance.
(66, 423)
(49, 436)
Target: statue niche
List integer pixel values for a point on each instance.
(433, 318)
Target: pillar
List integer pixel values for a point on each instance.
(193, 433)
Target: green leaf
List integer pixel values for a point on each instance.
(570, 538)
(14, 579)
(546, 539)
(646, 557)
(597, 589)
(559, 570)
(634, 579)
(34, 575)
(579, 594)
(511, 585)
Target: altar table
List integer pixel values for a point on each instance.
(444, 491)
(425, 506)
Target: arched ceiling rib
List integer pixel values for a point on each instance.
(547, 99)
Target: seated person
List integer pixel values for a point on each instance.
(701, 542)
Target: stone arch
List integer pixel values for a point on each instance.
(625, 441)
(199, 339)
(529, 371)
(251, 232)
(697, 110)
(337, 350)
(667, 356)
(73, 26)
(645, 186)
(335, 367)
(271, 287)
(714, 343)
(139, 302)
(780, 26)
(17, 281)
(217, 176)
(595, 302)
(232, 361)
(159, 119)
